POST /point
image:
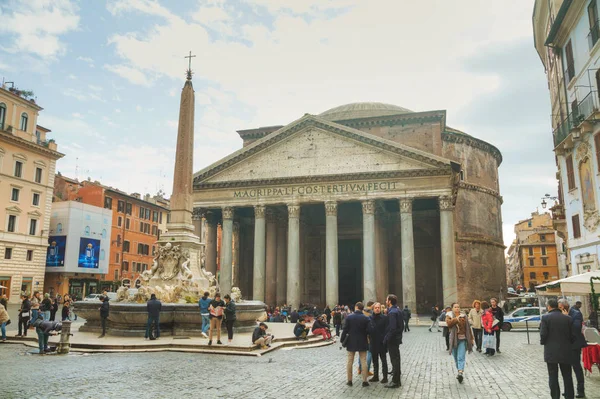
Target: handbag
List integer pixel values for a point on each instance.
(489, 341)
(24, 314)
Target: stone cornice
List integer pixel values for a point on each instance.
(312, 121)
(455, 137)
(30, 145)
(393, 120)
(481, 189)
(327, 178)
(480, 240)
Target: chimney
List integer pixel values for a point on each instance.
(136, 195)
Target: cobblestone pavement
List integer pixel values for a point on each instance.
(427, 372)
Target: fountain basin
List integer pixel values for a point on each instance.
(177, 319)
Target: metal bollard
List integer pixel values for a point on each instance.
(64, 345)
(527, 327)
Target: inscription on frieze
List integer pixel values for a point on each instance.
(315, 189)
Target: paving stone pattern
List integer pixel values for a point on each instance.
(427, 372)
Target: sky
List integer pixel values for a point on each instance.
(109, 74)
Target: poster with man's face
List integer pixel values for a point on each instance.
(89, 253)
(55, 254)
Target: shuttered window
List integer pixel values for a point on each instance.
(576, 227)
(570, 173)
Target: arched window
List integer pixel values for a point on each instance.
(59, 228)
(2, 115)
(24, 119)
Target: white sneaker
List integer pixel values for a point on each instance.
(204, 335)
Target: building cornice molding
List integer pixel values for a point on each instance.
(55, 155)
(453, 137)
(393, 120)
(415, 173)
(481, 189)
(474, 239)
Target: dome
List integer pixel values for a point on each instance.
(362, 110)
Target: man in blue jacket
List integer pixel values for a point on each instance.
(393, 338)
(204, 303)
(354, 338)
(154, 307)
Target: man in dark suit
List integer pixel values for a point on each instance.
(556, 334)
(580, 342)
(393, 338)
(354, 338)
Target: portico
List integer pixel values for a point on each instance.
(330, 214)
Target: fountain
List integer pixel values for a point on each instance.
(177, 277)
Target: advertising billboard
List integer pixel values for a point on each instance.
(55, 256)
(89, 253)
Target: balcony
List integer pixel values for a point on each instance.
(585, 111)
(594, 34)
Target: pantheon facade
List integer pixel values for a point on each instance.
(357, 202)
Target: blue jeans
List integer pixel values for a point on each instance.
(3, 328)
(46, 314)
(151, 320)
(369, 359)
(459, 354)
(34, 315)
(42, 339)
(205, 323)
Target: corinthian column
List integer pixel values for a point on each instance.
(409, 293)
(281, 260)
(293, 258)
(271, 260)
(369, 292)
(226, 275)
(331, 254)
(258, 291)
(211, 243)
(450, 290)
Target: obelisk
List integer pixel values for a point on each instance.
(180, 229)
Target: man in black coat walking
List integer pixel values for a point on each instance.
(578, 344)
(393, 338)
(354, 338)
(104, 308)
(154, 307)
(556, 334)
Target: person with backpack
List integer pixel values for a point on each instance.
(406, 315)
(435, 313)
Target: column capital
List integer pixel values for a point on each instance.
(259, 211)
(330, 208)
(368, 207)
(406, 205)
(197, 213)
(445, 203)
(210, 216)
(293, 210)
(228, 212)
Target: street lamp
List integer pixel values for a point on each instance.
(547, 197)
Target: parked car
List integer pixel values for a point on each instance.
(92, 297)
(516, 318)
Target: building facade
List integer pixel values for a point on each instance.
(78, 248)
(359, 201)
(136, 225)
(566, 38)
(535, 253)
(27, 165)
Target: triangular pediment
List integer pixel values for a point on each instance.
(312, 146)
(13, 209)
(35, 213)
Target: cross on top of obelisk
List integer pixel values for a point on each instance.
(189, 70)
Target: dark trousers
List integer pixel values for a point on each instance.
(152, 321)
(578, 370)
(229, 325)
(383, 357)
(394, 350)
(23, 325)
(446, 334)
(498, 340)
(565, 370)
(103, 320)
(337, 330)
(406, 325)
(478, 333)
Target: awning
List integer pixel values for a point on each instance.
(579, 284)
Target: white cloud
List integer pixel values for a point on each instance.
(118, 111)
(138, 108)
(208, 15)
(72, 77)
(36, 26)
(70, 92)
(87, 60)
(95, 88)
(77, 115)
(133, 75)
